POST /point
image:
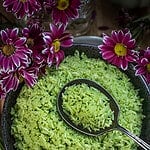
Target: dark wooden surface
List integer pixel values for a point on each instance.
(106, 14)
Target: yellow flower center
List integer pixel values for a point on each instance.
(8, 50)
(30, 42)
(120, 49)
(56, 44)
(148, 67)
(23, 1)
(62, 4)
(21, 79)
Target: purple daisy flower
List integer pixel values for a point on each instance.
(35, 41)
(22, 7)
(54, 40)
(143, 64)
(117, 49)
(13, 51)
(63, 10)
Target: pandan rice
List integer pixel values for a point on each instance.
(87, 107)
(37, 124)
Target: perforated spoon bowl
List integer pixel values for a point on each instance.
(113, 106)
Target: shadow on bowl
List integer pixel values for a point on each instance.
(88, 45)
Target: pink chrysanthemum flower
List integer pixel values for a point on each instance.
(13, 51)
(54, 40)
(35, 41)
(22, 7)
(63, 10)
(143, 64)
(117, 49)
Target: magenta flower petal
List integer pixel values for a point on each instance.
(140, 71)
(120, 35)
(16, 61)
(25, 32)
(108, 41)
(105, 48)
(130, 59)
(20, 14)
(4, 36)
(22, 55)
(14, 33)
(21, 41)
(54, 29)
(124, 64)
(108, 55)
(144, 61)
(26, 7)
(59, 57)
(131, 43)
(16, 6)
(46, 50)
(47, 39)
(127, 37)
(73, 13)
(15, 83)
(114, 36)
(6, 64)
(50, 59)
(67, 43)
(8, 2)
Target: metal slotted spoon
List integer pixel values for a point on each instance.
(113, 106)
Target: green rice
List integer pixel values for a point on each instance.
(87, 107)
(37, 124)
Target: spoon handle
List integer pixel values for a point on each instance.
(139, 141)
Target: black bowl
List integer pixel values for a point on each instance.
(88, 45)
